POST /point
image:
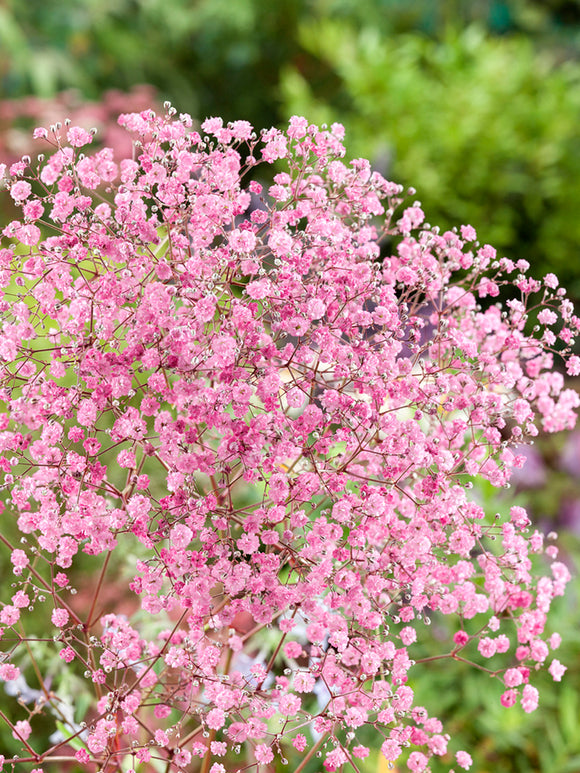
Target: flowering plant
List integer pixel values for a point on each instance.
(19, 115)
(263, 414)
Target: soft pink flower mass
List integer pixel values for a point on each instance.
(261, 413)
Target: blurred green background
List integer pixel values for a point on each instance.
(475, 103)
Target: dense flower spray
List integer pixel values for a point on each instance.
(262, 412)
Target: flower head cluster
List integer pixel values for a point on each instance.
(263, 412)
(18, 117)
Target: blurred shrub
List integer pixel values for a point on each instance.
(488, 126)
(207, 57)
(214, 56)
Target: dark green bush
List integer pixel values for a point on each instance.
(485, 128)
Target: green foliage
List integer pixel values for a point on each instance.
(487, 129)
(208, 57)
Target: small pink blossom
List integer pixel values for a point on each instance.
(182, 757)
(513, 677)
(573, 366)
(161, 738)
(8, 672)
(144, 755)
(22, 730)
(280, 243)
(241, 130)
(487, 647)
(242, 241)
(126, 459)
(20, 191)
(502, 643)
(293, 649)
(219, 748)
(78, 137)
(212, 125)
(334, 760)
(82, 756)
(275, 147)
(9, 615)
(33, 210)
(289, 704)
(463, 760)
(61, 579)
(408, 635)
(298, 127)
(304, 682)
(391, 750)
(468, 233)
(300, 743)
(215, 719)
(28, 234)
(67, 654)
(557, 670)
(59, 617)
(509, 698)
(258, 289)
(263, 754)
(19, 561)
(412, 218)
(529, 699)
(417, 762)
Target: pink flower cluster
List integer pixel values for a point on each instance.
(261, 413)
(18, 117)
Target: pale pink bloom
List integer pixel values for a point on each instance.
(78, 136)
(464, 760)
(391, 750)
(215, 719)
(573, 366)
(417, 762)
(289, 704)
(263, 754)
(8, 672)
(529, 699)
(408, 635)
(22, 730)
(19, 560)
(20, 191)
(557, 670)
(59, 617)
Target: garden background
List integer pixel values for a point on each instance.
(475, 103)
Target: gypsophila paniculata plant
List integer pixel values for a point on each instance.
(266, 410)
